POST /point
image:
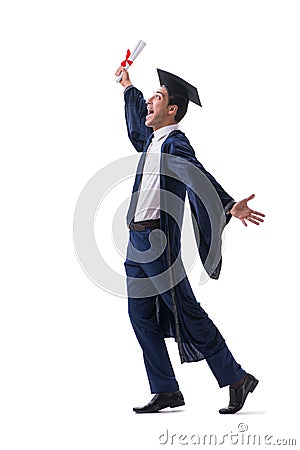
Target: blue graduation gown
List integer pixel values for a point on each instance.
(181, 173)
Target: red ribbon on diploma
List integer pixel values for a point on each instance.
(126, 60)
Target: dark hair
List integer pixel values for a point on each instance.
(182, 104)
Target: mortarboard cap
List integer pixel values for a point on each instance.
(178, 86)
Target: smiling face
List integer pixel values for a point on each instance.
(160, 113)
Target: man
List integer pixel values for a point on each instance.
(160, 299)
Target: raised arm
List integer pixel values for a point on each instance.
(135, 112)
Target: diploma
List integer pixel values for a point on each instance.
(130, 57)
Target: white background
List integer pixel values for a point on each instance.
(71, 369)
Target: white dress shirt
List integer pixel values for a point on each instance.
(148, 204)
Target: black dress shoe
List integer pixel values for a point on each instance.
(238, 396)
(161, 401)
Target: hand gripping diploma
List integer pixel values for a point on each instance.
(130, 57)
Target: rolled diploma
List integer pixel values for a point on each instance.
(135, 53)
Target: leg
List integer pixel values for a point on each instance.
(225, 368)
(142, 313)
(205, 335)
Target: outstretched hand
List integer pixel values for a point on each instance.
(241, 211)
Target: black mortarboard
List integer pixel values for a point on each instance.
(178, 86)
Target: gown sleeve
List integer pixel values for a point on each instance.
(135, 115)
(183, 150)
(209, 204)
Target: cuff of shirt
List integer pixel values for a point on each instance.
(229, 206)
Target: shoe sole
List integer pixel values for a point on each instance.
(175, 405)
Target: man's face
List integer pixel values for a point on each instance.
(159, 113)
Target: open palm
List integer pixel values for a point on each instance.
(241, 211)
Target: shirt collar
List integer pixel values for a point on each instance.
(164, 131)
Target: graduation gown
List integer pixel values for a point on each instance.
(180, 174)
